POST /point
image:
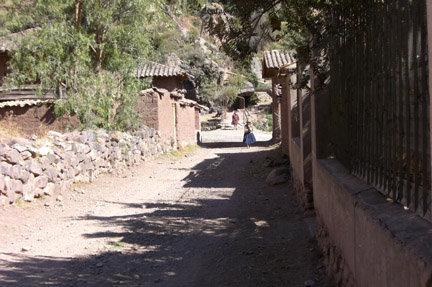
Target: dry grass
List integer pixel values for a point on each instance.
(9, 128)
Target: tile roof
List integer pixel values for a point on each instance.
(275, 59)
(151, 69)
(23, 103)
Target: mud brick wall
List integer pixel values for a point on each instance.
(166, 117)
(147, 107)
(37, 119)
(168, 83)
(186, 120)
(30, 169)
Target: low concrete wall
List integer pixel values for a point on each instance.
(367, 240)
(303, 192)
(30, 169)
(285, 114)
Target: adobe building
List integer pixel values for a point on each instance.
(22, 108)
(271, 63)
(165, 108)
(292, 107)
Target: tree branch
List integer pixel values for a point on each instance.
(78, 14)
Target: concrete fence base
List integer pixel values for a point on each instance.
(368, 241)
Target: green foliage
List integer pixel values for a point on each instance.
(264, 123)
(236, 79)
(250, 26)
(210, 91)
(203, 65)
(280, 24)
(215, 94)
(230, 93)
(253, 100)
(89, 49)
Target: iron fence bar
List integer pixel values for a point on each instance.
(425, 104)
(407, 104)
(393, 99)
(365, 82)
(416, 105)
(386, 94)
(379, 97)
(401, 111)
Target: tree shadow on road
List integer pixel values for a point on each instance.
(230, 229)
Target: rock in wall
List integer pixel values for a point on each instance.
(33, 168)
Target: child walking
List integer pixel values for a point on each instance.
(248, 137)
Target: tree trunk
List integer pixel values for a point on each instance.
(78, 15)
(99, 36)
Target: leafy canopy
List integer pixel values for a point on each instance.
(89, 49)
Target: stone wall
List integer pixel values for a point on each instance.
(33, 168)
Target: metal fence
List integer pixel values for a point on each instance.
(379, 97)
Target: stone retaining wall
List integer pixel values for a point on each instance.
(33, 168)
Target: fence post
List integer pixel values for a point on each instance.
(429, 29)
(276, 112)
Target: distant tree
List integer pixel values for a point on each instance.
(88, 48)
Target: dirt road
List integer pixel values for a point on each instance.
(205, 219)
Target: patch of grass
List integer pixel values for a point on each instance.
(21, 203)
(190, 149)
(176, 153)
(180, 153)
(117, 244)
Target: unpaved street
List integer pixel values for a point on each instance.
(205, 219)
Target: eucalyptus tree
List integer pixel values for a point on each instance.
(87, 48)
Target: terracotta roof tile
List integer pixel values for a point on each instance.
(151, 69)
(23, 103)
(275, 59)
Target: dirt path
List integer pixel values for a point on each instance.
(207, 219)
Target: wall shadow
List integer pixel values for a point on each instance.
(235, 231)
